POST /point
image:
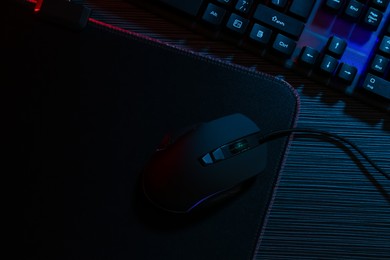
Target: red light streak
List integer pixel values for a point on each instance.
(38, 4)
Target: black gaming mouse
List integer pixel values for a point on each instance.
(204, 163)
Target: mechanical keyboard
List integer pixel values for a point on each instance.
(344, 44)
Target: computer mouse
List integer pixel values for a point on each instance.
(204, 163)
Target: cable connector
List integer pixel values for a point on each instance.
(65, 13)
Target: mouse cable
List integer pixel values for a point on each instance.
(342, 140)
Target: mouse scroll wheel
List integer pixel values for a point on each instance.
(225, 152)
(239, 146)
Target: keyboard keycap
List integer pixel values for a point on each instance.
(309, 55)
(377, 86)
(237, 24)
(284, 45)
(244, 6)
(260, 34)
(347, 73)
(214, 14)
(379, 64)
(354, 9)
(380, 4)
(336, 46)
(301, 8)
(385, 45)
(373, 18)
(225, 1)
(279, 3)
(328, 64)
(279, 21)
(334, 5)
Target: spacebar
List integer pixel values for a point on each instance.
(190, 7)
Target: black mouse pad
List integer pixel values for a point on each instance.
(92, 106)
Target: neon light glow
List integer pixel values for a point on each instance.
(38, 4)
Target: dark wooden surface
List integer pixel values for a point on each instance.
(328, 204)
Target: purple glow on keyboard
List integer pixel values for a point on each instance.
(322, 22)
(361, 42)
(342, 28)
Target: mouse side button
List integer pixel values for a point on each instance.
(218, 155)
(206, 160)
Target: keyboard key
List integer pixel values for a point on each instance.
(302, 8)
(214, 14)
(385, 45)
(354, 9)
(244, 6)
(347, 73)
(336, 46)
(279, 3)
(225, 1)
(237, 24)
(284, 45)
(334, 5)
(380, 4)
(260, 34)
(377, 85)
(309, 55)
(328, 64)
(279, 21)
(373, 18)
(190, 7)
(379, 64)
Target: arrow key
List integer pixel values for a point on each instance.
(308, 55)
(347, 72)
(328, 64)
(336, 46)
(385, 45)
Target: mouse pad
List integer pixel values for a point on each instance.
(91, 108)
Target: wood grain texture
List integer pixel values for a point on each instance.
(329, 203)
